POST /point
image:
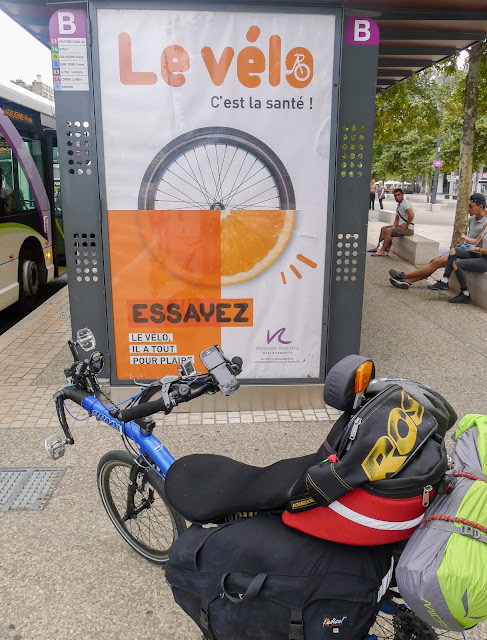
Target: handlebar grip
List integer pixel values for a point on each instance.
(142, 410)
(76, 395)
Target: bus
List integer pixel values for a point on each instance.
(31, 237)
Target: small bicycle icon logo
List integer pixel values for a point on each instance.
(300, 70)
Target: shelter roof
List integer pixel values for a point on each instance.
(414, 34)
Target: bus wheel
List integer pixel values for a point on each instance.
(29, 277)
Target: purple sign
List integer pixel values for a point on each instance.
(68, 23)
(437, 163)
(361, 31)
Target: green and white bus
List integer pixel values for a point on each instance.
(29, 194)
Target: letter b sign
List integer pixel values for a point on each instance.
(361, 31)
(66, 23)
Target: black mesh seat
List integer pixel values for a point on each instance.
(206, 487)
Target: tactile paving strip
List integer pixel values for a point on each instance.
(28, 489)
(64, 312)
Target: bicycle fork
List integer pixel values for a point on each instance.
(133, 488)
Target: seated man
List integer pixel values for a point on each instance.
(472, 259)
(404, 215)
(476, 224)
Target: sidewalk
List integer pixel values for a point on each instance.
(66, 574)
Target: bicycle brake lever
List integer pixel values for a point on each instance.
(59, 398)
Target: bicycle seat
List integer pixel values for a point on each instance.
(205, 487)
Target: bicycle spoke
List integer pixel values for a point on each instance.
(211, 169)
(198, 186)
(181, 179)
(255, 185)
(238, 189)
(201, 174)
(218, 191)
(228, 168)
(153, 526)
(249, 203)
(190, 202)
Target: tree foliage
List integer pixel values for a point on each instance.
(410, 115)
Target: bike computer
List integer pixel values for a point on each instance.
(216, 364)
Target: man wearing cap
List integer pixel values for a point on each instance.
(472, 259)
(403, 224)
(476, 224)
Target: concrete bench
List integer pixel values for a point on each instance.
(386, 216)
(415, 249)
(477, 286)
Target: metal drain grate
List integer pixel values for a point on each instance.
(27, 489)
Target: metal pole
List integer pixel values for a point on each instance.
(437, 170)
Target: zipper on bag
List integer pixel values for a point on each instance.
(353, 433)
(426, 494)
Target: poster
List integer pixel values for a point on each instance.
(216, 131)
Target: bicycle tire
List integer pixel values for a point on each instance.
(395, 621)
(214, 196)
(153, 530)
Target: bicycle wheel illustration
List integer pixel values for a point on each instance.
(216, 168)
(217, 207)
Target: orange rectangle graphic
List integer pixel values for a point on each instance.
(194, 312)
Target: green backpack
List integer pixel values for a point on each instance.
(442, 572)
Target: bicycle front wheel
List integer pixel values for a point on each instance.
(139, 511)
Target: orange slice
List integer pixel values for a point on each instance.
(216, 248)
(251, 241)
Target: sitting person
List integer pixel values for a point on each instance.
(405, 215)
(476, 224)
(472, 259)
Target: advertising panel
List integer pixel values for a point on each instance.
(216, 132)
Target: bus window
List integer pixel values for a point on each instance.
(5, 179)
(14, 179)
(58, 207)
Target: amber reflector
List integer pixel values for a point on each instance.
(363, 375)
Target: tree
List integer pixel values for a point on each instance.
(406, 125)
(468, 136)
(410, 115)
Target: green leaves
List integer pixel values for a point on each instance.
(410, 115)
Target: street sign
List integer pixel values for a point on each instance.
(437, 163)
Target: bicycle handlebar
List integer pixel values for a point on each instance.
(174, 391)
(149, 408)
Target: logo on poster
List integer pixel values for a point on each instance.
(279, 334)
(251, 63)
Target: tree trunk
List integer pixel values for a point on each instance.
(466, 144)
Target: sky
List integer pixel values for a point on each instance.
(21, 55)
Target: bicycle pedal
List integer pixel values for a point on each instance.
(55, 447)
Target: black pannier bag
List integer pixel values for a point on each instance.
(256, 579)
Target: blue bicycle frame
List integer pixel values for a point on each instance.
(147, 444)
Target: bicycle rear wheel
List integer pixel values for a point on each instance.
(395, 621)
(145, 521)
